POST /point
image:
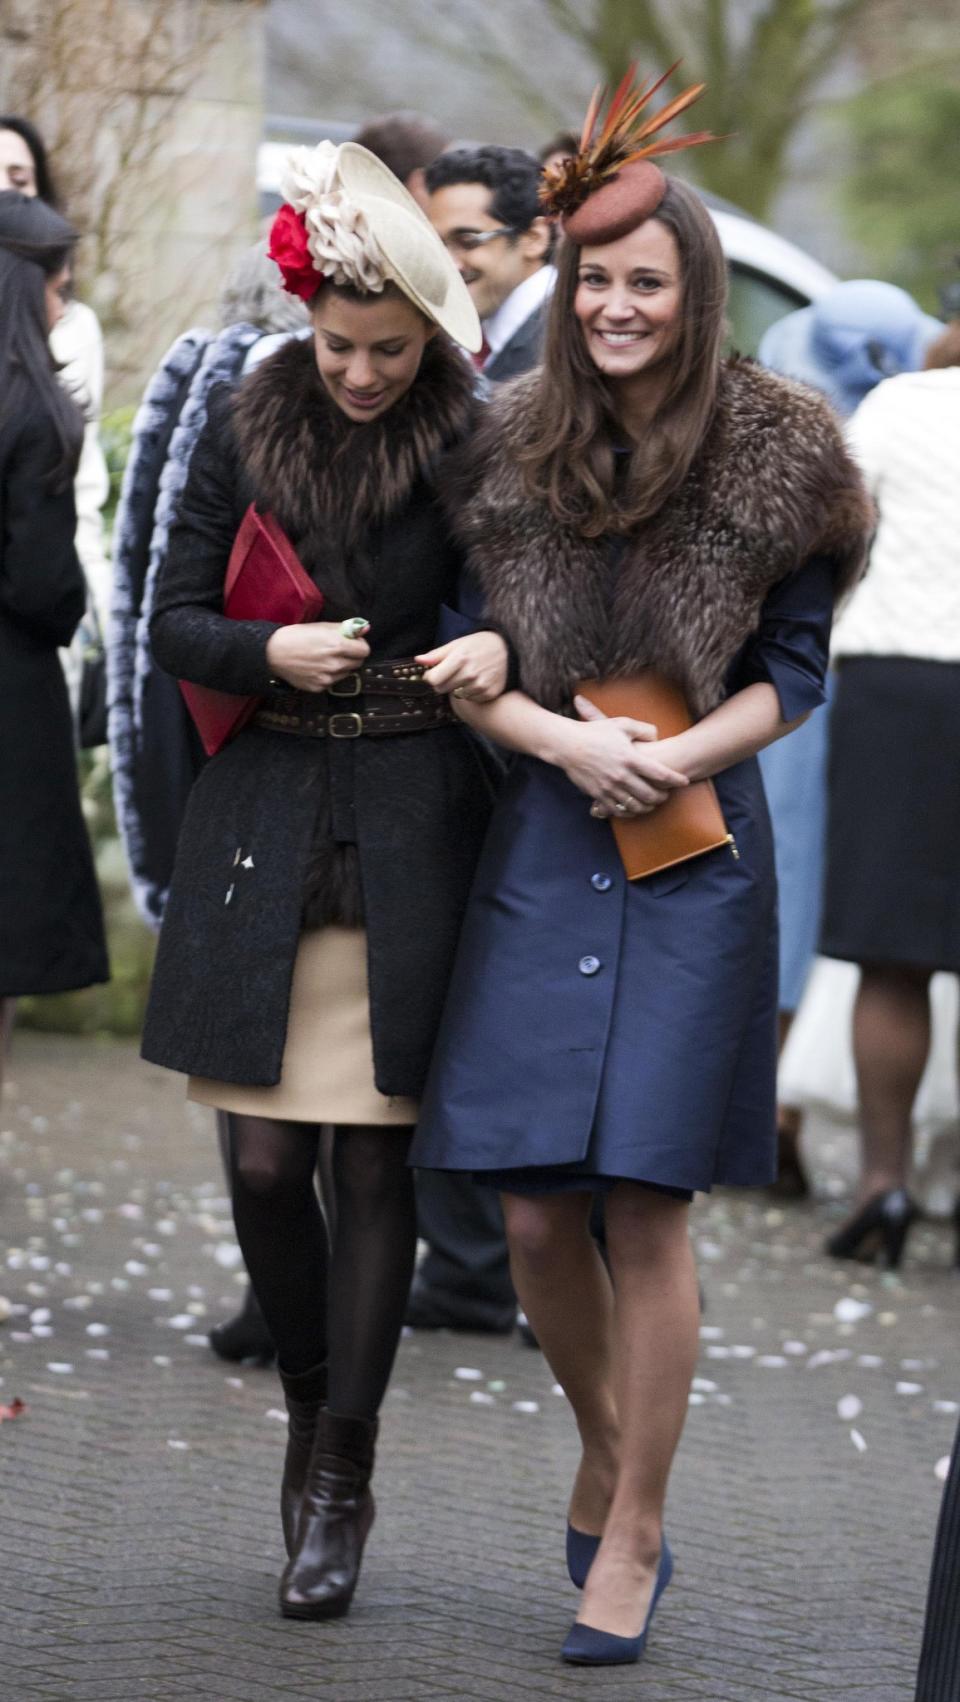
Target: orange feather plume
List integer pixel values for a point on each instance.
(622, 138)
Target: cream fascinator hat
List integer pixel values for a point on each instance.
(347, 219)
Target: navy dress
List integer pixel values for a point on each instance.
(598, 1029)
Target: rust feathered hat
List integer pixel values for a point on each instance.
(611, 184)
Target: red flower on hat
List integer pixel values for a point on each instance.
(288, 247)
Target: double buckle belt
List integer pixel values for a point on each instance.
(411, 706)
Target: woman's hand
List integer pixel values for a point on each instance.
(312, 656)
(610, 759)
(474, 667)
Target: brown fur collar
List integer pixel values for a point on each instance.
(773, 485)
(330, 482)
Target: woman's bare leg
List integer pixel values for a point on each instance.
(564, 1288)
(657, 1318)
(891, 1043)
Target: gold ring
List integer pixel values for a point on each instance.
(459, 691)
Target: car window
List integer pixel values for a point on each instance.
(756, 301)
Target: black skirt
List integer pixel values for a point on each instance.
(893, 835)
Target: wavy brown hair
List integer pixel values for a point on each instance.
(569, 460)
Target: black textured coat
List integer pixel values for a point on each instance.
(51, 927)
(395, 823)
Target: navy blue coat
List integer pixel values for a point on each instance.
(632, 1026)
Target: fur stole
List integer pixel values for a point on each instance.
(772, 486)
(127, 650)
(333, 483)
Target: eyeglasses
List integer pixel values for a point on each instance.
(467, 240)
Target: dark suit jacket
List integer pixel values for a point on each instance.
(523, 350)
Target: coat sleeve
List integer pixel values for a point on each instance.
(190, 635)
(42, 588)
(791, 648)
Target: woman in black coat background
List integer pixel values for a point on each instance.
(51, 925)
(327, 850)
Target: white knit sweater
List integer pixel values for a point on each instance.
(906, 437)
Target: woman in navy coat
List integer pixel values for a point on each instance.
(639, 503)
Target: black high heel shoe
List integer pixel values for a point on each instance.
(878, 1231)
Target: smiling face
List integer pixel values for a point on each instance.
(17, 169)
(492, 259)
(368, 350)
(628, 301)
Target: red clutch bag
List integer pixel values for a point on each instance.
(691, 821)
(265, 582)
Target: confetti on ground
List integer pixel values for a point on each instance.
(228, 1255)
(526, 1406)
(480, 1398)
(468, 1374)
(12, 1409)
(942, 1469)
(6, 1310)
(60, 1367)
(173, 1443)
(858, 1441)
(850, 1407)
(909, 1388)
(772, 1361)
(275, 1412)
(949, 1407)
(796, 1349)
(851, 1311)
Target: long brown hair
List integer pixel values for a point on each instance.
(569, 461)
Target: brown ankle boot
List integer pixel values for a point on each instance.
(304, 1394)
(335, 1519)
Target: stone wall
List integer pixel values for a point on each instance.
(154, 132)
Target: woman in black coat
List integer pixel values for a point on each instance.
(51, 926)
(327, 851)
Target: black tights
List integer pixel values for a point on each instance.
(345, 1304)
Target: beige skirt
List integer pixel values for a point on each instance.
(327, 1070)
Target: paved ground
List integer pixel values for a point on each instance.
(140, 1543)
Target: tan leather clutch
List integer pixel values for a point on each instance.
(691, 821)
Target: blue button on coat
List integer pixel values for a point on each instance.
(657, 1061)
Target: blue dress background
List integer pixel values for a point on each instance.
(598, 1029)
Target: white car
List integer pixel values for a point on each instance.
(769, 276)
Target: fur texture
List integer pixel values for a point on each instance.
(331, 483)
(131, 545)
(772, 486)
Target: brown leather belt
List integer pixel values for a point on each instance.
(412, 705)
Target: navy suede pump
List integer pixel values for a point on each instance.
(581, 1553)
(588, 1647)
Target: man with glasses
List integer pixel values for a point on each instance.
(484, 203)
